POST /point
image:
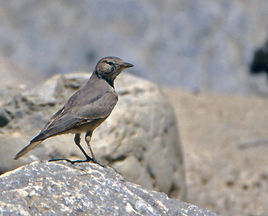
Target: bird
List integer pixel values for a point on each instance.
(86, 109)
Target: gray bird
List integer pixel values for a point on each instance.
(86, 109)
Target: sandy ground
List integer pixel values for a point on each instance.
(225, 140)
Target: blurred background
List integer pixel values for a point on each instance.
(210, 57)
(197, 45)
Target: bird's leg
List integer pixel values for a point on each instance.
(77, 140)
(88, 138)
(88, 158)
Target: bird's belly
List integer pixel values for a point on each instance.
(87, 126)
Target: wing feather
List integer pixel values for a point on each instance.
(80, 114)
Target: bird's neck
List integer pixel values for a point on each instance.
(96, 75)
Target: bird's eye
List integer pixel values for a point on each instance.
(111, 66)
(109, 63)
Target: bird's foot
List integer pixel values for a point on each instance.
(88, 159)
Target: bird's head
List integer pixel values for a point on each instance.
(108, 68)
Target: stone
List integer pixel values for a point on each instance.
(62, 188)
(139, 138)
(8, 147)
(4, 119)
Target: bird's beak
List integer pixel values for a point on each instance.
(126, 65)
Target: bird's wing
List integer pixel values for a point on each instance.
(98, 107)
(76, 114)
(57, 115)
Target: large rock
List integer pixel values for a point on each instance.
(140, 138)
(225, 141)
(60, 188)
(198, 44)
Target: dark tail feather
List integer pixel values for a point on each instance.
(34, 142)
(26, 149)
(39, 138)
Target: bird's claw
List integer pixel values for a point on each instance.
(88, 159)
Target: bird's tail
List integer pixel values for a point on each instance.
(27, 149)
(44, 134)
(34, 142)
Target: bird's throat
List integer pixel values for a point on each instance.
(110, 81)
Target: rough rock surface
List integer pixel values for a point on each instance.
(225, 140)
(198, 44)
(61, 188)
(140, 138)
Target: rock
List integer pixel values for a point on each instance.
(225, 142)
(8, 147)
(162, 38)
(4, 120)
(62, 188)
(139, 139)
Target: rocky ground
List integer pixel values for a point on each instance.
(62, 188)
(225, 141)
(139, 138)
(199, 45)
